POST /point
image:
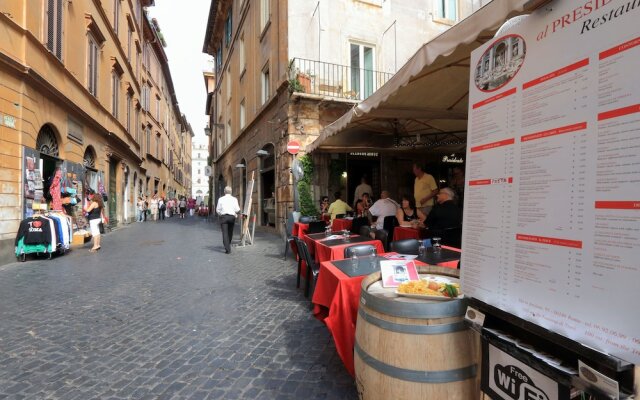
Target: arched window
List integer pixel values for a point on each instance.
(47, 142)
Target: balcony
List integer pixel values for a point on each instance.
(333, 80)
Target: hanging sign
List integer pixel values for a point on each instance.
(293, 147)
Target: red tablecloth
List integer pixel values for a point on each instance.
(341, 224)
(299, 229)
(328, 253)
(335, 302)
(405, 232)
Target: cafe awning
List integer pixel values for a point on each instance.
(425, 104)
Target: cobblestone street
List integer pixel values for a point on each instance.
(162, 312)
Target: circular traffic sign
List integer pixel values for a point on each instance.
(293, 147)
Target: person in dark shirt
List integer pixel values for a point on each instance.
(446, 214)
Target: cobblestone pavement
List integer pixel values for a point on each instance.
(161, 312)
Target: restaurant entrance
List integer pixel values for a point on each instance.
(361, 165)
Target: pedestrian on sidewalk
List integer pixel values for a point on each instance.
(182, 206)
(162, 207)
(95, 216)
(153, 205)
(227, 209)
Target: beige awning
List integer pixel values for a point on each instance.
(425, 104)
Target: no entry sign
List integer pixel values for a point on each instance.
(293, 147)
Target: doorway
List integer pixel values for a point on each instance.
(112, 200)
(268, 186)
(359, 167)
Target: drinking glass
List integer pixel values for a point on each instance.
(436, 244)
(346, 234)
(327, 230)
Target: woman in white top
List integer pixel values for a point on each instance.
(153, 206)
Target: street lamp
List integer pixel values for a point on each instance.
(240, 166)
(262, 153)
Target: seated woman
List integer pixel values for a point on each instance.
(408, 215)
(361, 209)
(324, 206)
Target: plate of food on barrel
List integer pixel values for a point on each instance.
(431, 287)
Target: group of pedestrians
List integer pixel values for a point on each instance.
(159, 207)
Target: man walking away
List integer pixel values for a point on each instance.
(227, 209)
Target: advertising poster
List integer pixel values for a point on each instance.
(552, 198)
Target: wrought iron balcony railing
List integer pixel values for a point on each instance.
(334, 80)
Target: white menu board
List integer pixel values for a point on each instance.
(552, 200)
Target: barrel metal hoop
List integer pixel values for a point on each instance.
(442, 309)
(453, 375)
(412, 329)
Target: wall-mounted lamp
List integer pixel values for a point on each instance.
(241, 166)
(207, 131)
(262, 153)
(344, 174)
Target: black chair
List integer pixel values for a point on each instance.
(312, 268)
(288, 234)
(340, 215)
(304, 220)
(357, 223)
(316, 227)
(382, 236)
(295, 243)
(359, 250)
(388, 224)
(406, 246)
(449, 236)
(365, 230)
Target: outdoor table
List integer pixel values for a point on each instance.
(340, 224)
(333, 249)
(299, 229)
(336, 296)
(407, 232)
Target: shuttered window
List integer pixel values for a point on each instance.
(54, 27)
(92, 66)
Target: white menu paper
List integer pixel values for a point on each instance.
(552, 199)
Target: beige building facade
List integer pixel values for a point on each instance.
(86, 90)
(286, 69)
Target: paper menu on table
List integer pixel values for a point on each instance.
(396, 272)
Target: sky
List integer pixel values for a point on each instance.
(183, 24)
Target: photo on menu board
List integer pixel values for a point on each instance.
(395, 272)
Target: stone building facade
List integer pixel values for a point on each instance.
(286, 69)
(86, 90)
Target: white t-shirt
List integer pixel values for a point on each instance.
(227, 205)
(383, 208)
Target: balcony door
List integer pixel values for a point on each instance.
(362, 66)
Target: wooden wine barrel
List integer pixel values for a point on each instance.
(413, 348)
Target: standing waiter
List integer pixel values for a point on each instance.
(227, 209)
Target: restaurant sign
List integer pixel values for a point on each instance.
(453, 159)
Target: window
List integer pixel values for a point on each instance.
(116, 15)
(54, 27)
(228, 133)
(198, 173)
(148, 139)
(228, 84)
(115, 92)
(129, 101)
(138, 126)
(92, 66)
(447, 9)
(266, 89)
(242, 114)
(227, 29)
(361, 70)
(264, 13)
(157, 146)
(157, 109)
(219, 58)
(129, 41)
(242, 56)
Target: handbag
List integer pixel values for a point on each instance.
(101, 227)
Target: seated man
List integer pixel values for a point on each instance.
(338, 206)
(385, 207)
(446, 214)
